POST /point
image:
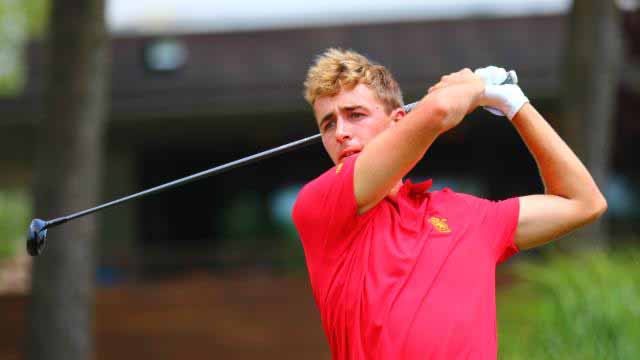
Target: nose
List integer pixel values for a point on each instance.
(343, 132)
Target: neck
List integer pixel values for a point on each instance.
(394, 191)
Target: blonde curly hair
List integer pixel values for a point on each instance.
(339, 69)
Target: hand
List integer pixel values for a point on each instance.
(502, 100)
(463, 77)
(459, 93)
(492, 75)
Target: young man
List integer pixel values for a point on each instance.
(399, 272)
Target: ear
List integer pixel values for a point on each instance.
(396, 115)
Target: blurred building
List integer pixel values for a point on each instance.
(184, 103)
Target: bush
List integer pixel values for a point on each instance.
(585, 306)
(14, 220)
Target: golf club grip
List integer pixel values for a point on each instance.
(512, 78)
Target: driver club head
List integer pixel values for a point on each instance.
(36, 237)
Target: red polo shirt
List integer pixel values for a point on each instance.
(412, 278)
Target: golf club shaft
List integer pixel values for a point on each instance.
(185, 180)
(511, 79)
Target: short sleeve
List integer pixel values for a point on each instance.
(326, 206)
(501, 217)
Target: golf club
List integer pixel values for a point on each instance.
(37, 233)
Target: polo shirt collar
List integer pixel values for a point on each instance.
(416, 189)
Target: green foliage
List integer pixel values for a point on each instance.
(245, 231)
(20, 20)
(14, 220)
(36, 11)
(250, 233)
(582, 306)
(290, 252)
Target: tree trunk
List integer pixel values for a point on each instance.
(592, 68)
(66, 179)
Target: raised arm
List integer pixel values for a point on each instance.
(572, 198)
(394, 152)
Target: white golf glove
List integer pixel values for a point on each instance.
(502, 100)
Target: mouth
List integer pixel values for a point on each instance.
(346, 153)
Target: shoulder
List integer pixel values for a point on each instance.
(333, 186)
(308, 195)
(316, 189)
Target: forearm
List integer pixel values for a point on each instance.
(393, 153)
(572, 198)
(563, 174)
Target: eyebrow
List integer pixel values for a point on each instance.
(346, 107)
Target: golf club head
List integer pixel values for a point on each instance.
(36, 237)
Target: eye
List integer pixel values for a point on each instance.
(355, 115)
(328, 125)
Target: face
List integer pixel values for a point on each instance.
(350, 119)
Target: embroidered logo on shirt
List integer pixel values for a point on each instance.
(339, 167)
(440, 224)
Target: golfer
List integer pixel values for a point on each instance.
(401, 272)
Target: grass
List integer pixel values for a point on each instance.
(581, 306)
(15, 207)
